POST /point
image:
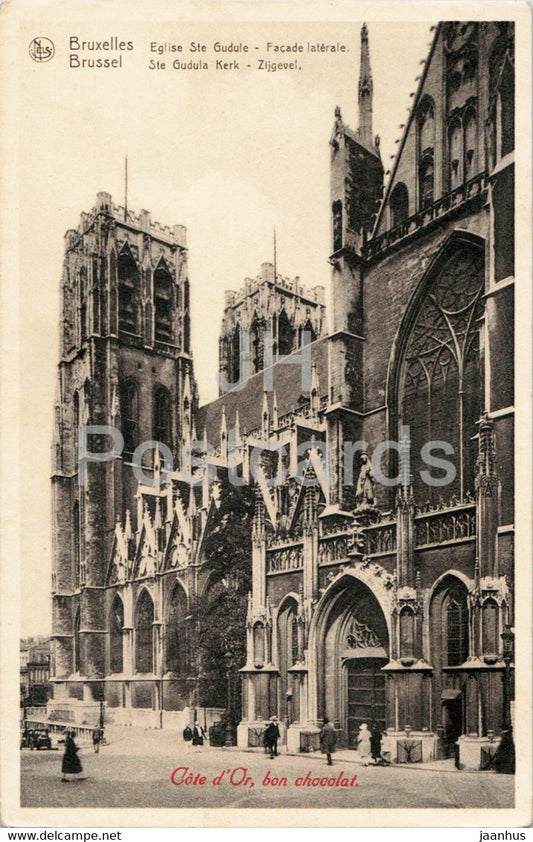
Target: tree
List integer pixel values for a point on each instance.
(222, 616)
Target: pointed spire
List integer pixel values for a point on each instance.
(275, 422)
(192, 502)
(258, 521)
(157, 515)
(315, 391)
(365, 92)
(157, 467)
(265, 416)
(223, 433)
(237, 426)
(128, 531)
(187, 387)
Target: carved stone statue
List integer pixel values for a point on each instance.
(364, 492)
(338, 128)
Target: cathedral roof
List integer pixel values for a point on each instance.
(287, 385)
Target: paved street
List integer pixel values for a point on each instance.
(135, 770)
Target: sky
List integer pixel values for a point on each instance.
(231, 156)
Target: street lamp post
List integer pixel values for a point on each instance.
(508, 651)
(101, 721)
(504, 758)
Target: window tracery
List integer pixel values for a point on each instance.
(177, 645)
(128, 292)
(129, 411)
(144, 619)
(163, 304)
(116, 628)
(440, 379)
(162, 415)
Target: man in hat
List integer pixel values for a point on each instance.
(328, 739)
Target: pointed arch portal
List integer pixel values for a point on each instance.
(352, 648)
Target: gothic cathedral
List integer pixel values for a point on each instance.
(381, 582)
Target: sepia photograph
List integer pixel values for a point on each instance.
(268, 475)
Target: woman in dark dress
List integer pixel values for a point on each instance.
(71, 766)
(198, 734)
(271, 737)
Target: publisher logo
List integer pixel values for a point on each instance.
(41, 49)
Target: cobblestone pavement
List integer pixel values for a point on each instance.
(135, 770)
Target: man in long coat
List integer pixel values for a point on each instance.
(328, 740)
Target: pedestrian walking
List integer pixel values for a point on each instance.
(97, 739)
(328, 740)
(504, 760)
(375, 745)
(271, 737)
(363, 744)
(198, 735)
(71, 766)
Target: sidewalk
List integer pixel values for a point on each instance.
(350, 756)
(135, 740)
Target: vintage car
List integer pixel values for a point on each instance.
(36, 738)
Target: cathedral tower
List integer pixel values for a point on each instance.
(269, 308)
(124, 363)
(356, 186)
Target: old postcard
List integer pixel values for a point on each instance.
(266, 469)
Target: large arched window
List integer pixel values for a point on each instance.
(162, 416)
(116, 632)
(186, 332)
(292, 641)
(399, 204)
(176, 632)
(235, 355)
(144, 622)
(128, 293)
(77, 648)
(76, 541)
(449, 647)
(257, 343)
(285, 335)
(449, 623)
(456, 622)
(129, 412)
(439, 388)
(288, 652)
(163, 304)
(76, 416)
(83, 303)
